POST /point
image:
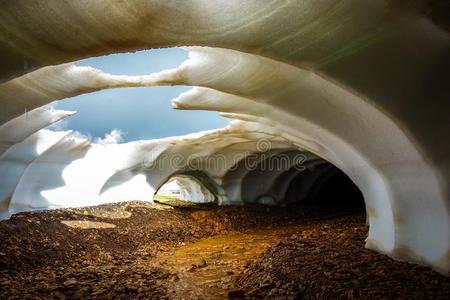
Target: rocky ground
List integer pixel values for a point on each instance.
(99, 252)
(135, 250)
(327, 260)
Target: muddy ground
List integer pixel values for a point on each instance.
(135, 250)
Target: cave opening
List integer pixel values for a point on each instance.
(337, 189)
(104, 116)
(328, 188)
(303, 180)
(187, 189)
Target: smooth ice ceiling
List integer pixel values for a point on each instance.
(136, 113)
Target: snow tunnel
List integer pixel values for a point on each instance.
(351, 95)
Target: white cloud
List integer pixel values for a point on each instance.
(79, 136)
(114, 137)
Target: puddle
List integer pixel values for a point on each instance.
(207, 268)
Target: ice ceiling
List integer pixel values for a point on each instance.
(363, 85)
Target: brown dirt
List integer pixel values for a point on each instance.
(99, 252)
(135, 250)
(327, 260)
(34, 240)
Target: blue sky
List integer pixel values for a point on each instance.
(140, 113)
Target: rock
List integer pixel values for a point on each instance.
(202, 263)
(70, 282)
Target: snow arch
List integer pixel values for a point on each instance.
(195, 186)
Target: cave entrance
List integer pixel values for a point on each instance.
(327, 188)
(187, 189)
(293, 177)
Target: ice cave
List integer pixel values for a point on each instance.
(351, 96)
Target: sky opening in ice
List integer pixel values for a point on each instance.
(128, 114)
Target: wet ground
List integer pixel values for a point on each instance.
(210, 267)
(139, 251)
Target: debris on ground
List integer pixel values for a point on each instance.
(137, 250)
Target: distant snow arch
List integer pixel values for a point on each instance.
(195, 186)
(191, 187)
